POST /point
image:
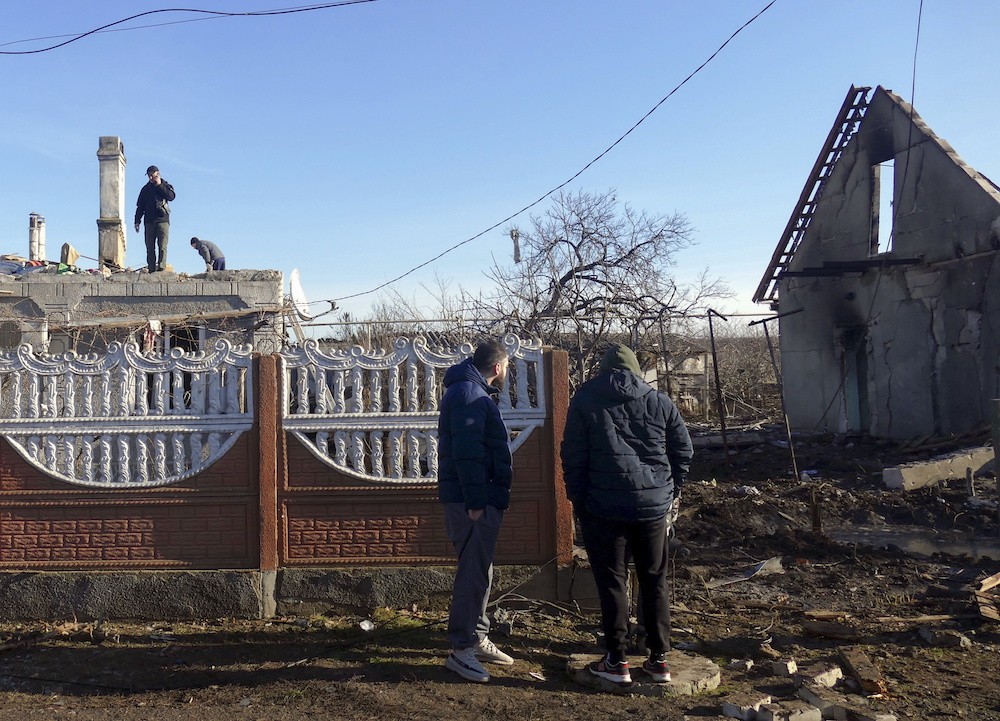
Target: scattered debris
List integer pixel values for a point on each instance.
(767, 650)
(832, 704)
(945, 638)
(989, 604)
(744, 706)
(784, 667)
(831, 629)
(864, 670)
(822, 673)
(827, 615)
(793, 710)
(735, 440)
(764, 568)
(30, 640)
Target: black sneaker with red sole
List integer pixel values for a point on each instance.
(614, 672)
(657, 669)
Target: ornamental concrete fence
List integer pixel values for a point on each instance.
(224, 483)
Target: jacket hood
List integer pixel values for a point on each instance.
(621, 385)
(620, 356)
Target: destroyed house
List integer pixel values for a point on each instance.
(59, 306)
(887, 281)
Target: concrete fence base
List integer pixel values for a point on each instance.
(189, 595)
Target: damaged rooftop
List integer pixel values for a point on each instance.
(57, 306)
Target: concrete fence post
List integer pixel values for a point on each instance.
(558, 383)
(268, 426)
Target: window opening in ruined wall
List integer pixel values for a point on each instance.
(883, 185)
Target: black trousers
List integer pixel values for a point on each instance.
(609, 544)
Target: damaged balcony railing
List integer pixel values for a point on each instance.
(125, 419)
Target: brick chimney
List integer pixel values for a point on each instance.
(36, 237)
(111, 236)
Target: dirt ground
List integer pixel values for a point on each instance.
(900, 602)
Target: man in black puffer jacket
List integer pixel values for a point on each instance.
(625, 454)
(474, 478)
(154, 204)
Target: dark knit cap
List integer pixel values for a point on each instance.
(620, 356)
(152, 169)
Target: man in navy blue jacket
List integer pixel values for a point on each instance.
(625, 454)
(474, 478)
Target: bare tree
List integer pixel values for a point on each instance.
(592, 270)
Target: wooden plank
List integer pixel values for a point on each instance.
(929, 618)
(988, 606)
(989, 582)
(827, 615)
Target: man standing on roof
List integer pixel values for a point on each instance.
(474, 477)
(210, 253)
(154, 205)
(625, 455)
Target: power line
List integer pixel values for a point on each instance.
(211, 13)
(571, 178)
(109, 30)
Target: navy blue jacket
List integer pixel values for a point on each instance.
(474, 461)
(625, 449)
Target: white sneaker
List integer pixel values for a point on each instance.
(488, 651)
(465, 664)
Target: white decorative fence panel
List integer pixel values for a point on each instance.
(373, 415)
(125, 419)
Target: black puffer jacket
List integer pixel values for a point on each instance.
(625, 448)
(474, 460)
(153, 202)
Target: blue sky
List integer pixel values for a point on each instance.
(355, 143)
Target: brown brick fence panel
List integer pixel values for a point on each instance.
(329, 518)
(209, 521)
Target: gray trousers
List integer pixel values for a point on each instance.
(157, 237)
(475, 543)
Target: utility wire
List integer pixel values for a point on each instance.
(212, 13)
(569, 180)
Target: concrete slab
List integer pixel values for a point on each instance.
(793, 710)
(918, 474)
(821, 673)
(834, 705)
(745, 705)
(689, 675)
(945, 637)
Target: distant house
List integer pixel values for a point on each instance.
(887, 278)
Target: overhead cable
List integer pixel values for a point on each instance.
(211, 13)
(569, 180)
